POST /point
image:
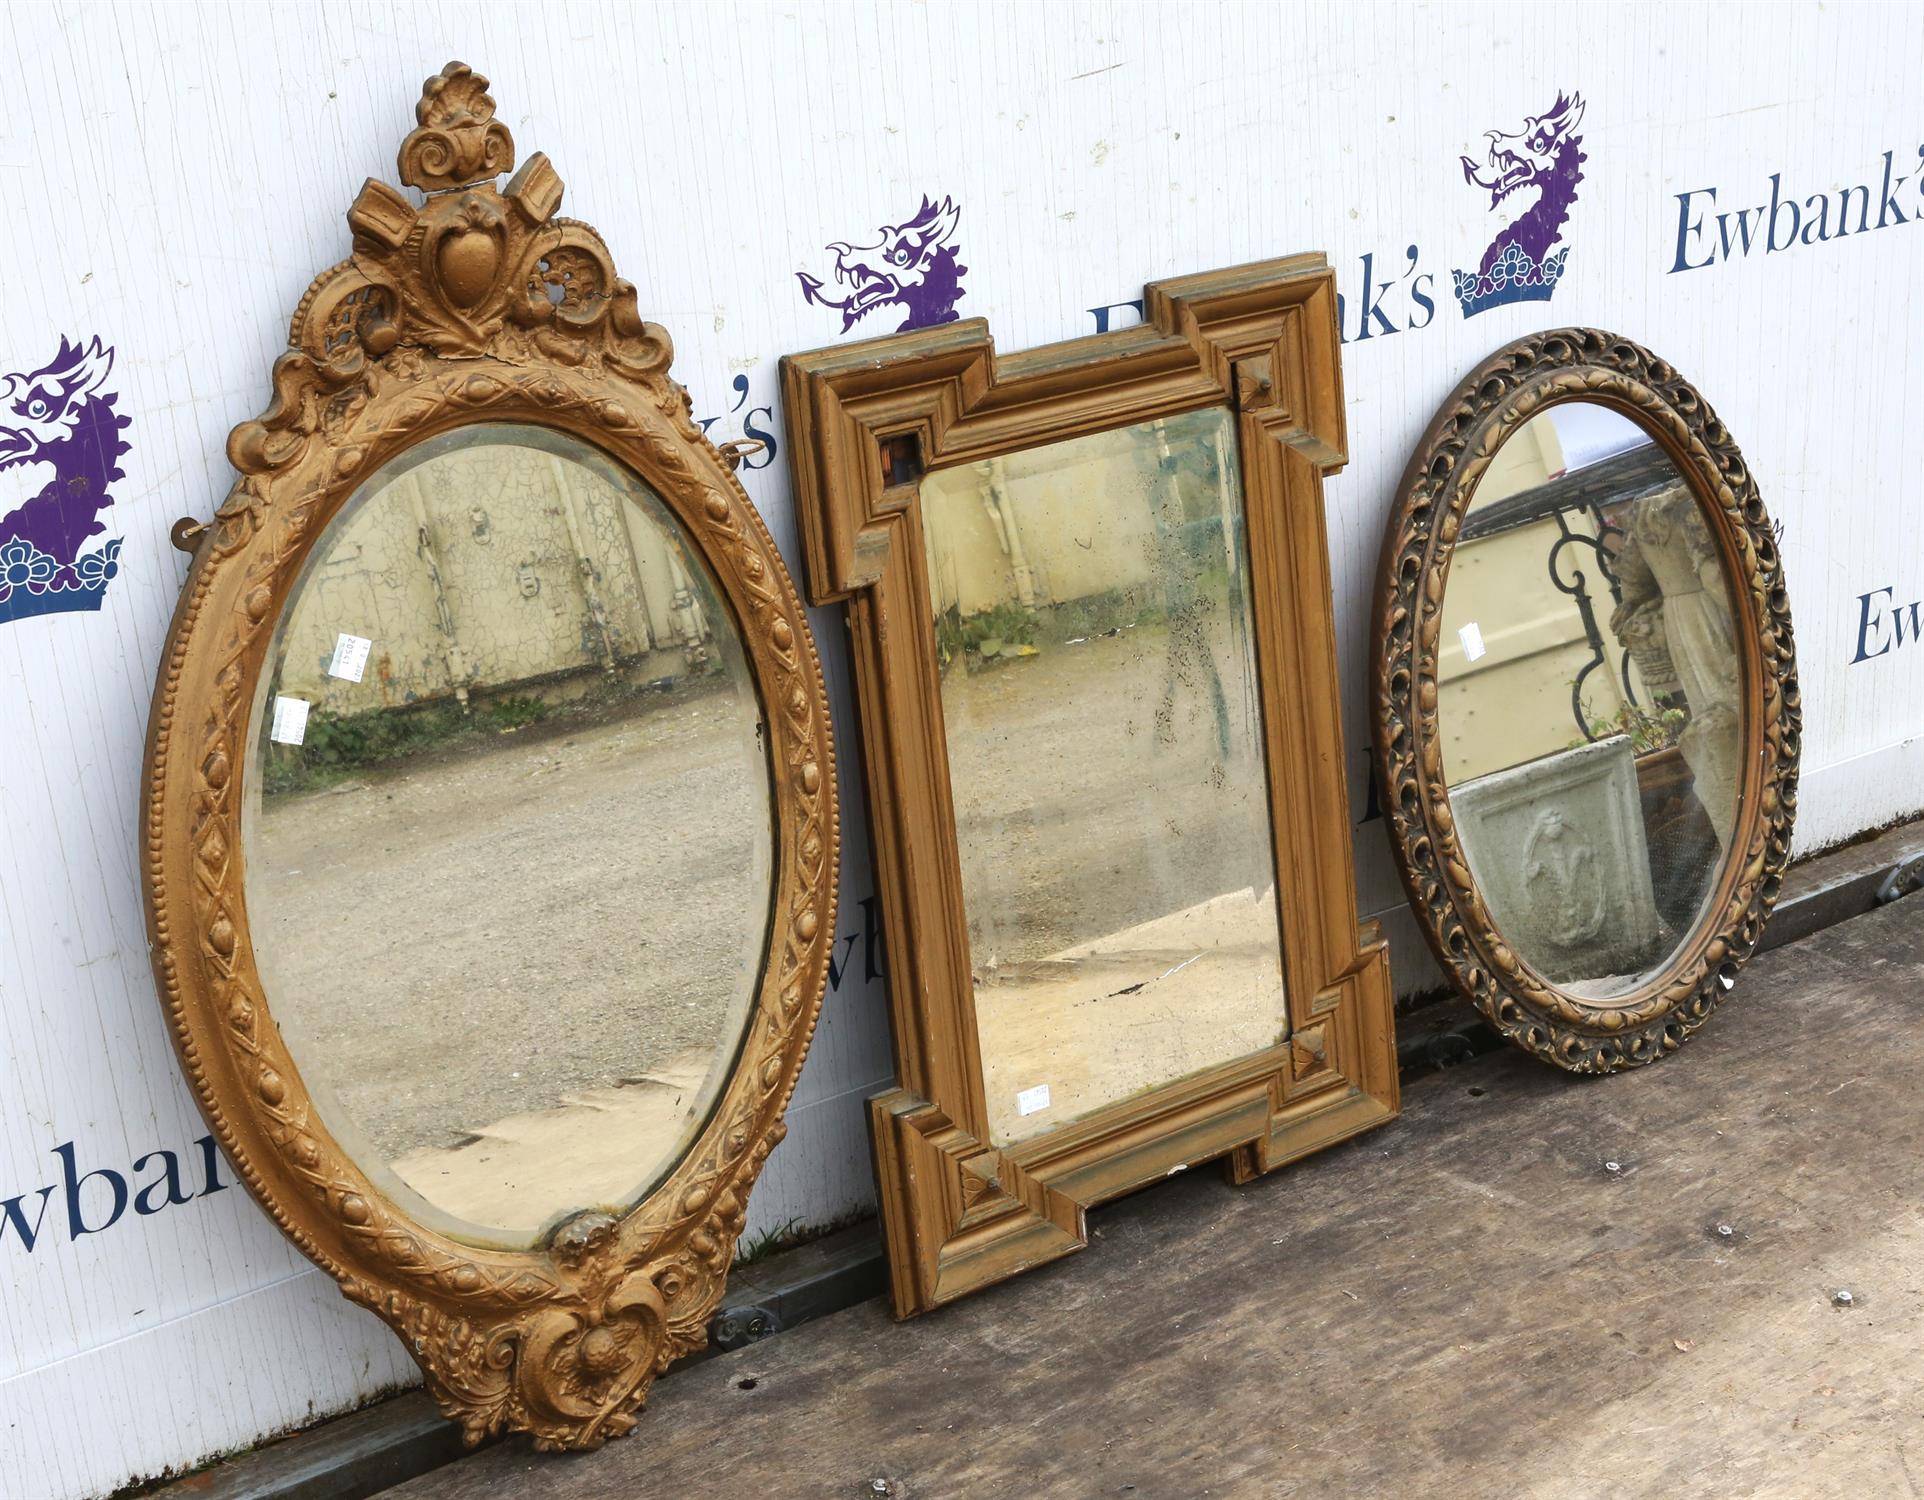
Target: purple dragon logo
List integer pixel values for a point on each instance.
(1543, 158)
(58, 417)
(911, 266)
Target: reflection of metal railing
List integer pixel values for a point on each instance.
(1567, 544)
(1613, 481)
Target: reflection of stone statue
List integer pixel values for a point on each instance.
(1673, 583)
(1638, 623)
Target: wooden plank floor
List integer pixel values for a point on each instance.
(1471, 1301)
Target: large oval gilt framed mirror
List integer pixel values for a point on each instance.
(490, 823)
(1585, 699)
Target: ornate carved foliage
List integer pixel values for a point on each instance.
(1497, 399)
(479, 305)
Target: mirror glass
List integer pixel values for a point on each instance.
(1589, 699)
(509, 833)
(1099, 696)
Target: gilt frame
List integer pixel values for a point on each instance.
(1515, 383)
(479, 305)
(1262, 341)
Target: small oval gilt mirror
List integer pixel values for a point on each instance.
(1586, 707)
(490, 823)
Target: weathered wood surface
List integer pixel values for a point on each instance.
(1467, 1301)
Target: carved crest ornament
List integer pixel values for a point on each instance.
(478, 305)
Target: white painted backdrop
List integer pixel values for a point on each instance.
(174, 176)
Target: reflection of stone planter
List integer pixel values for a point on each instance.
(1557, 847)
(1683, 844)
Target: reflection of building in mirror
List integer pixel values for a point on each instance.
(453, 874)
(487, 569)
(1586, 606)
(1523, 661)
(1105, 750)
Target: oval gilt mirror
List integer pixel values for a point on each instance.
(1585, 699)
(490, 824)
(504, 712)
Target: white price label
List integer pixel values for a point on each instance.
(290, 721)
(1472, 637)
(1030, 1100)
(350, 657)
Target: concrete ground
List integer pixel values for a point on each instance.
(1471, 1301)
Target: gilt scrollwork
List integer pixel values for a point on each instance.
(1496, 400)
(478, 304)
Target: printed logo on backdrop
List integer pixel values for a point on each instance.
(913, 268)
(97, 1198)
(1787, 219)
(764, 433)
(1531, 174)
(1541, 165)
(58, 429)
(1886, 623)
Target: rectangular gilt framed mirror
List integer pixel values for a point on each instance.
(1089, 603)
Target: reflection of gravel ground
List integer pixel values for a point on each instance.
(1078, 815)
(475, 935)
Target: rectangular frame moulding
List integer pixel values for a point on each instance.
(865, 421)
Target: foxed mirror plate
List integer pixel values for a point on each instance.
(509, 833)
(1099, 697)
(1586, 714)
